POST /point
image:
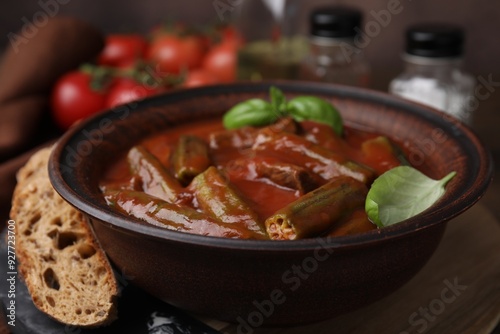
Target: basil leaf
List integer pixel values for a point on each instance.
(401, 193)
(315, 109)
(278, 100)
(257, 112)
(253, 112)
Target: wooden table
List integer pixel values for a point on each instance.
(487, 126)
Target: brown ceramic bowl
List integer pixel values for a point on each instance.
(271, 282)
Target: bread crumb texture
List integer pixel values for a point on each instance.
(67, 274)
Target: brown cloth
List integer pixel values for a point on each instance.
(28, 70)
(32, 63)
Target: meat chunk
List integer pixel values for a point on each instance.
(283, 174)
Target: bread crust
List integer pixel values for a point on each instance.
(65, 270)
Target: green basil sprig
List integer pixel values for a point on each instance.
(315, 109)
(258, 112)
(402, 192)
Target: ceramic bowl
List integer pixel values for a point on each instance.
(259, 283)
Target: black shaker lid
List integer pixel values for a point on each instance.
(434, 40)
(334, 21)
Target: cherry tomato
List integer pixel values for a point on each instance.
(128, 90)
(73, 98)
(121, 49)
(199, 77)
(195, 48)
(221, 61)
(173, 54)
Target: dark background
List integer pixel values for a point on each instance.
(481, 20)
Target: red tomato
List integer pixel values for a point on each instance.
(73, 99)
(121, 49)
(172, 54)
(221, 61)
(127, 90)
(199, 77)
(195, 48)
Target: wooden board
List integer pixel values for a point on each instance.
(458, 290)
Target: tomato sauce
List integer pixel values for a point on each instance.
(262, 194)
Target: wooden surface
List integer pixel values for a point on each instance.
(467, 259)
(487, 125)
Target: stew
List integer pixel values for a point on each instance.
(284, 181)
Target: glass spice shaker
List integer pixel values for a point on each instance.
(333, 56)
(433, 72)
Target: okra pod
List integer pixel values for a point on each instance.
(156, 180)
(216, 196)
(381, 154)
(318, 211)
(190, 158)
(297, 150)
(172, 216)
(355, 223)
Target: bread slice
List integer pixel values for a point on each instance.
(66, 272)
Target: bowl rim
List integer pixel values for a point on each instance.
(61, 183)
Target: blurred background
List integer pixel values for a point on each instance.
(480, 18)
